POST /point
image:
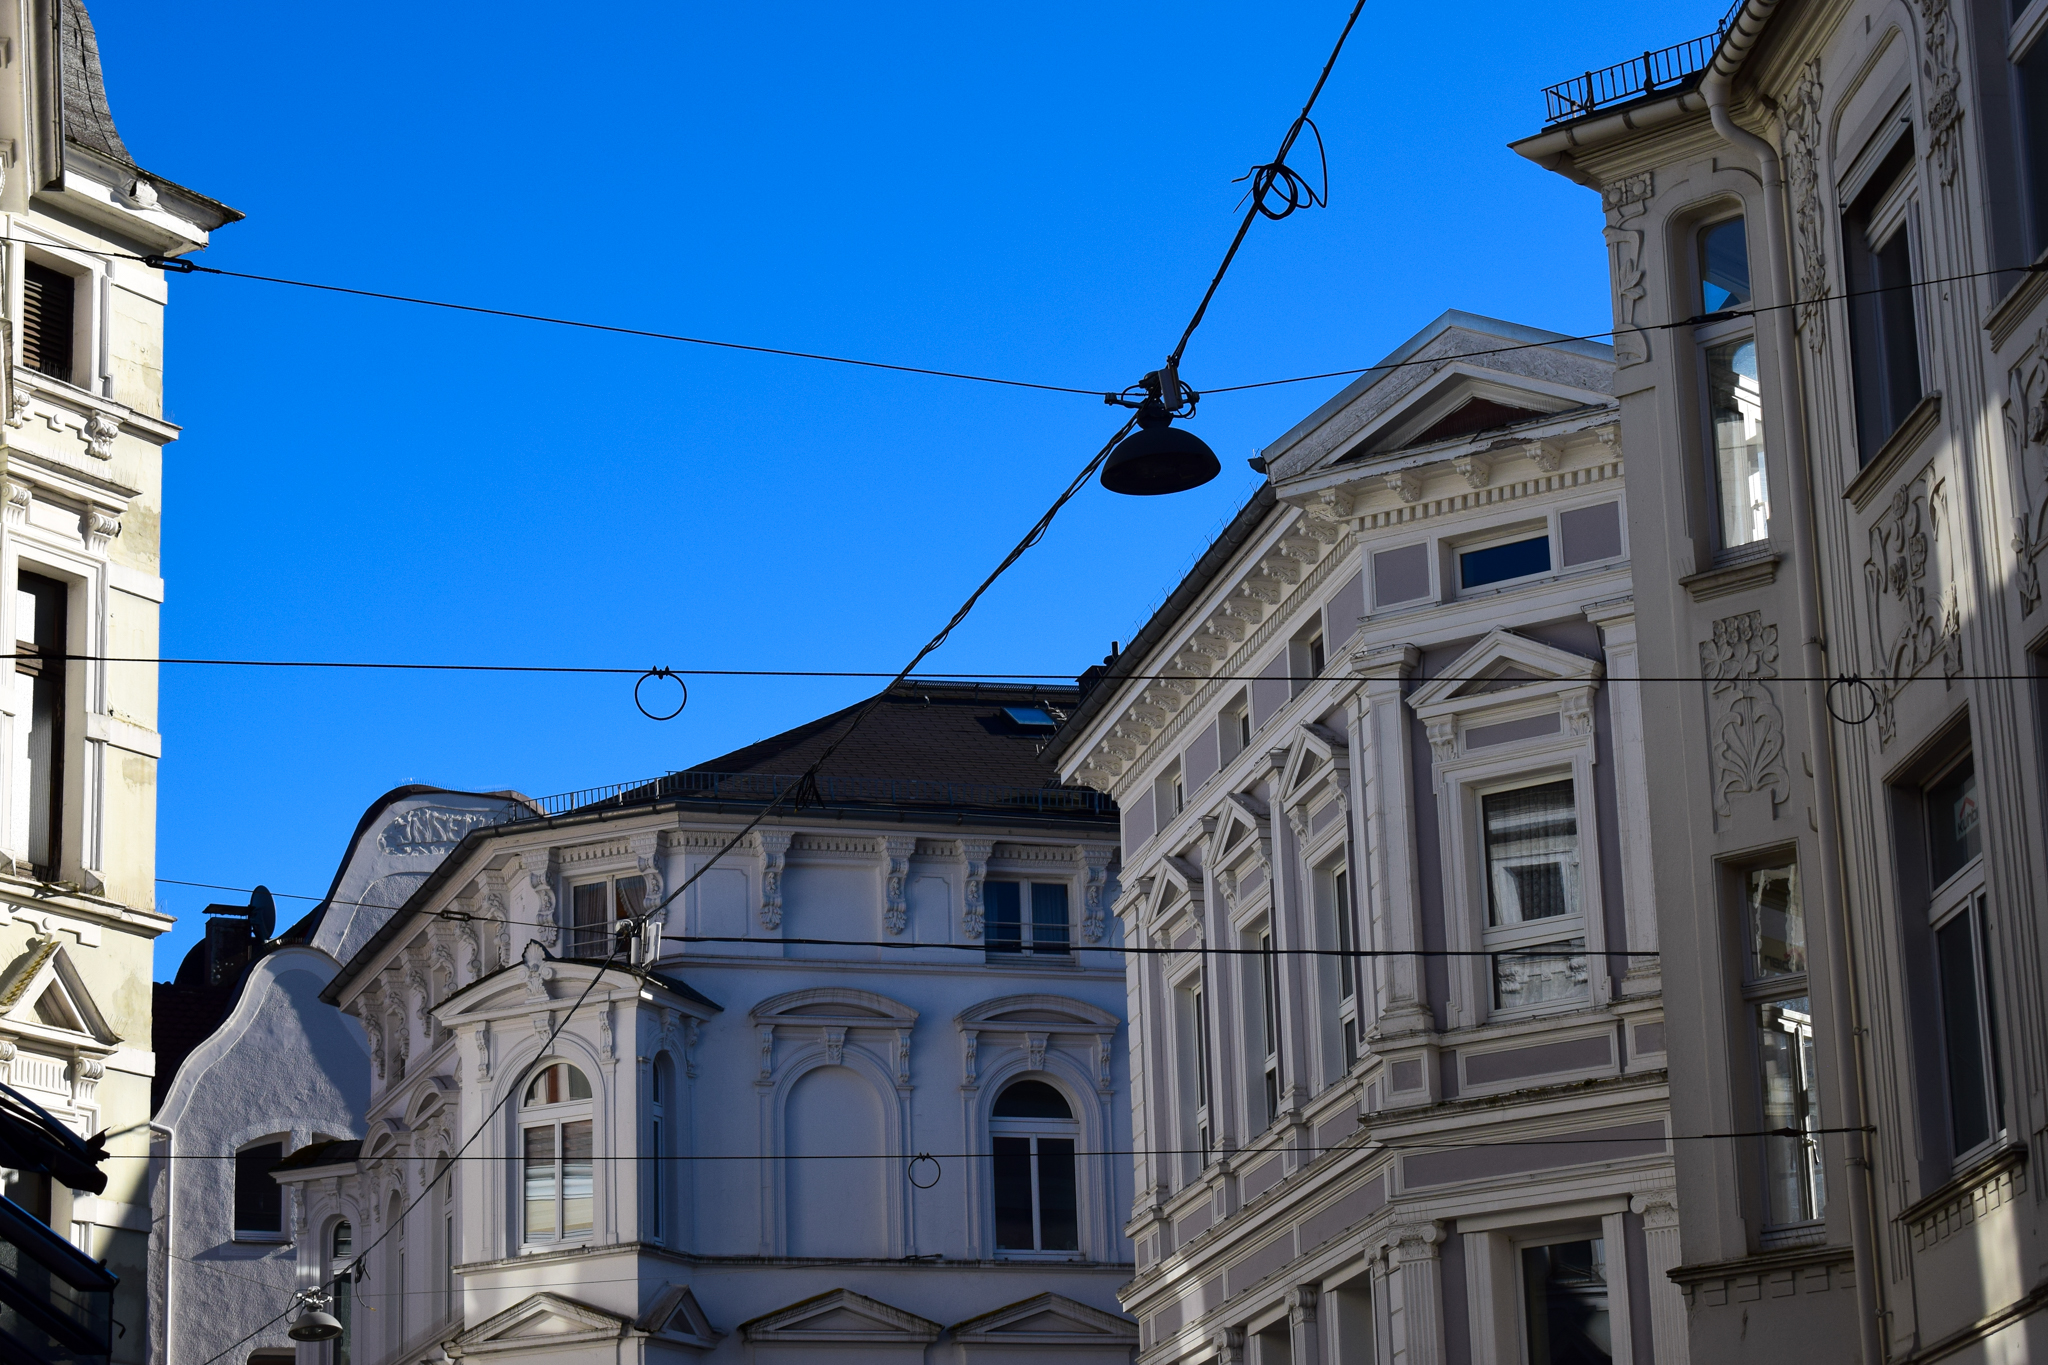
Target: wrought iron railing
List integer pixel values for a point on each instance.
(1644, 75)
(831, 791)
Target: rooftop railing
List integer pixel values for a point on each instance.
(1638, 76)
(830, 791)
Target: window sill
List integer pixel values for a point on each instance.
(1044, 961)
(2007, 315)
(1042, 1257)
(1751, 567)
(270, 1239)
(1984, 1170)
(1898, 447)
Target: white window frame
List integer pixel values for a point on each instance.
(1027, 949)
(1455, 547)
(91, 302)
(1035, 1129)
(1965, 892)
(571, 947)
(1194, 1071)
(1496, 1302)
(1463, 775)
(558, 1115)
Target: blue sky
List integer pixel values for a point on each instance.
(1032, 191)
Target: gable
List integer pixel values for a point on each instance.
(1500, 667)
(1048, 1320)
(841, 1316)
(550, 1318)
(1473, 416)
(46, 991)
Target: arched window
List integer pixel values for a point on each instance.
(341, 1277)
(555, 1144)
(1032, 1134)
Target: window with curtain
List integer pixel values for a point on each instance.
(1026, 918)
(558, 1172)
(1535, 924)
(1032, 1136)
(596, 911)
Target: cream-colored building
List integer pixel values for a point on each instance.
(81, 486)
(1826, 226)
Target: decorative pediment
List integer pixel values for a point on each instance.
(44, 994)
(840, 1318)
(1502, 687)
(544, 1320)
(1036, 1014)
(1465, 400)
(1319, 753)
(1047, 1320)
(539, 981)
(1243, 820)
(432, 1096)
(675, 1316)
(836, 1006)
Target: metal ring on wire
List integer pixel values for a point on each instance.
(911, 1170)
(1859, 687)
(660, 673)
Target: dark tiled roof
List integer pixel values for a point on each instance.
(87, 120)
(185, 1014)
(921, 732)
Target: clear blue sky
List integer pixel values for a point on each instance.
(1038, 191)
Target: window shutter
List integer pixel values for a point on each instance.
(48, 300)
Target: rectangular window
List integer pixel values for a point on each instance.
(1037, 1208)
(1788, 1083)
(540, 1184)
(1564, 1302)
(1724, 266)
(1953, 837)
(560, 1180)
(1347, 965)
(1046, 931)
(259, 1202)
(1194, 1062)
(1969, 1041)
(1884, 337)
(1269, 1000)
(41, 628)
(1535, 923)
(1498, 563)
(2030, 91)
(1735, 411)
(49, 305)
(596, 909)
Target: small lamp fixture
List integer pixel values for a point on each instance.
(316, 1323)
(1159, 457)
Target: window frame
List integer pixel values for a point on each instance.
(1882, 213)
(1545, 531)
(1526, 935)
(88, 302)
(1034, 1130)
(575, 934)
(1964, 894)
(1027, 949)
(282, 1232)
(1194, 1078)
(1707, 337)
(2024, 36)
(556, 1116)
(1756, 991)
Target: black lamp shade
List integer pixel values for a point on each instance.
(315, 1325)
(1159, 458)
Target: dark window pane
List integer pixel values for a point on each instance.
(1497, 563)
(259, 1203)
(48, 301)
(1954, 835)
(1539, 890)
(1724, 266)
(1565, 1290)
(1012, 1181)
(1532, 837)
(1048, 918)
(1883, 338)
(588, 913)
(1031, 1100)
(1059, 1226)
(1002, 903)
(1962, 1028)
(2032, 70)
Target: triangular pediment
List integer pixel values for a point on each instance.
(543, 1318)
(841, 1316)
(1319, 753)
(45, 990)
(1502, 668)
(675, 1315)
(1465, 402)
(1048, 1320)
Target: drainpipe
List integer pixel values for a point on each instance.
(1845, 1034)
(160, 1314)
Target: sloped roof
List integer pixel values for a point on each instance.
(921, 732)
(87, 120)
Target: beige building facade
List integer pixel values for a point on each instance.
(1826, 225)
(81, 466)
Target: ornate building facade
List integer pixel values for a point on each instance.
(859, 1091)
(1397, 1034)
(81, 481)
(1826, 225)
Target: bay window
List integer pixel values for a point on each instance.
(558, 1172)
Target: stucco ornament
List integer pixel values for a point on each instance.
(1746, 730)
(1915, 617)
(534, 961)
(773, 846)
(2025, 418)
(1092, 920)
(1625, 200)
(971, 912)
(1944, 110)
(1801, 146)
(99, 432)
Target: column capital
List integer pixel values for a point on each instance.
(1388, 663)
